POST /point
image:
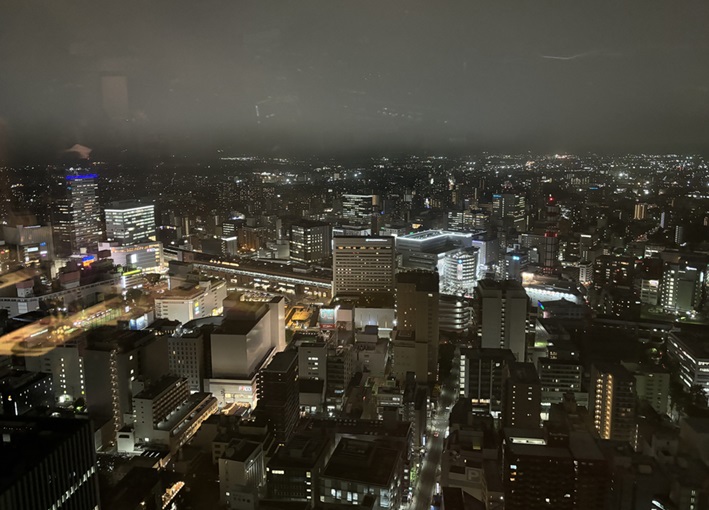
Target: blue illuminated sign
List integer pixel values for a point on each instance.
(81, 177)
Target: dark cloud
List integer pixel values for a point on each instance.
(341, 75)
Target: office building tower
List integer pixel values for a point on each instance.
(363, 265)
(689, 351)
(612, 402)
(652, 385)
(557, 377)
(278, 394)
(481, 377)
(681, 287)
(117, 362)
(312, 360)
(130, 222)
(241, 474)
(340, 369)
(467, 220)
(293, 473)
(186, 357)
(557, 469)
(509, 210)
(47, 463)
(409, 356)
(65, 363)
(640, 211)
(310, 241)
(501, 312)
(166, 415)
(76, 218)
(550, 252)
(358, 209)
(521, 396)
(585, 272)
(460, 271)
(514, 263)
(417, 306)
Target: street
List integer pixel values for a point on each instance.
(425, 488)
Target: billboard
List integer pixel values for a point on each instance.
(326, 318)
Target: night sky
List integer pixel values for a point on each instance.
(322, 76)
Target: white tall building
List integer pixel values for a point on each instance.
(363, 264)
(166, 415)
(130, 222)
(681, 287)
(248, 338)
(460, 271)
(501, 314)
(191, 301)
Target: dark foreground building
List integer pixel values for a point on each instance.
(47, 463)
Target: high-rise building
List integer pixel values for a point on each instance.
(358, 209)
(166, 415)
(310, 241)
(564, 471)
(363, 265)
(48, 463)
(509, 210)
(417, 308)
(521, 396)
(186, 357)
(130, 222)
(76, 212)
(501, 313)
(481, 376)
(612, 402)
(278, 394)
(114, 360)
(550, 262)
(689, 351)
(681, 287)
(241, 474)
(557, 377)
(66, 364)
(294, 471)
(312, 360)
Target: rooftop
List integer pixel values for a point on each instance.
(159, 387)
(363, 462)
(240, 449)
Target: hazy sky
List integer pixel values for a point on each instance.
(353, 75)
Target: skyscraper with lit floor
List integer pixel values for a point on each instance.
(130, 222)
(363, 265)
(76, 213)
